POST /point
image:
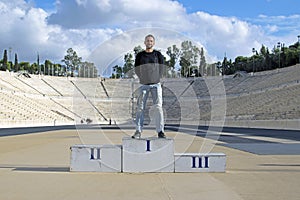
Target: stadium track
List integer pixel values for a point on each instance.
(34, 165)
(253, 140)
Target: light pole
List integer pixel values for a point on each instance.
(279, 48)
(53, 65)
(253, 51)
(10, 58)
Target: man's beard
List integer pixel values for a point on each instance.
(149, 47)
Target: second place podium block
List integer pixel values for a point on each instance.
(96, 158)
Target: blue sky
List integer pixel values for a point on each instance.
(239, 8)
(244, 8)
(248, 10)
(231, 27)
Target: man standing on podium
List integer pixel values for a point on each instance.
(149, 65)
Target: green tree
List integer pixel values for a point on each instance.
(137, 49)
(9, 66)
(263, 51)
(25, 66)
(72, 60)
(291, 56)
(264, 59)
(118, 70)
(38, 63)
(225, 66)
(48, 67)
(16, 64)
(188, 58)
(42, 66)
(34, 68)
(173, 52)
(240, 63)
(61, 70)
(4, 61)
(128, 66)
(268, 60)
(202, 67)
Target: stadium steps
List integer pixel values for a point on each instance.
(61, 84)
(58, 92)
(17, 86)
(5, 85)
(19, 106)
(79, 84)
(103, 86)
(29, 85)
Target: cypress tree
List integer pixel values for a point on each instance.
(5, 60)
(16, 65)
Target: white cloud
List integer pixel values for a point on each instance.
(279, 24)
(218, 34)
(116, 13)
(86, 25)
(25, 28)
(84, 14)
(225, 34)
(27, 32)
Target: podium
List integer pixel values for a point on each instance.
(142, 155)
(148, 155)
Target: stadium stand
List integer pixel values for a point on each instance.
(264, 96)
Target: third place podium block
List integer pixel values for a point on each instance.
(197, 162)
(148, 155)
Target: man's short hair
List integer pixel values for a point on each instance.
(149, 35)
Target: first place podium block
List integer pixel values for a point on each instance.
(148, 155)
(96, 158)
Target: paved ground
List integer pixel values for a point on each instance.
(36, 166)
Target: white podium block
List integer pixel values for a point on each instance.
(148, 155)
(96, 158)
(196, 162)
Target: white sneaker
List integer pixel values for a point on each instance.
(137, 135)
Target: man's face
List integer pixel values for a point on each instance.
(149, 42)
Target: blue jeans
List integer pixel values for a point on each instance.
(156, 93)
